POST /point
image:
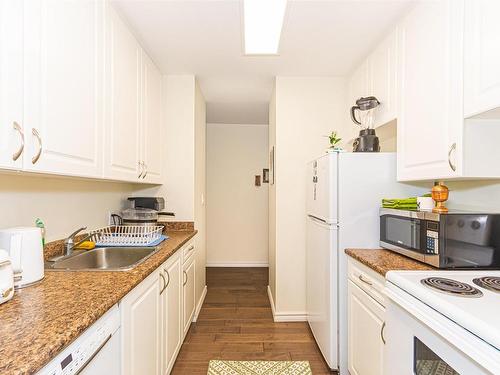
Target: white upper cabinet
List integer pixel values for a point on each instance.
(382, 79)
(482, 56)
(358, 84)
(123, 117)
(11, 84)
(78, 96)
(152, 130)
(63, 86)
(430, 114)
(377, 76)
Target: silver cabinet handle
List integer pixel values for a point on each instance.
(168, 278)
(191, 248)
(382, 332)
(361, 278)
(93, 355)
(37, 135)
(19, 151)
(452, 148)
(145, 170)
(185, 274)
(5, 263)
(164, 283)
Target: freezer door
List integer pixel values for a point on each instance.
(322, 287)
(322, 188)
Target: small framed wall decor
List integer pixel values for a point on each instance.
(265, 175)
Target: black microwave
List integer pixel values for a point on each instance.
(452, 240)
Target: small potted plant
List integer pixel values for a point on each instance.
(334, 142)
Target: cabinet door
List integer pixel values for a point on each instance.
(365, 345)
(63, 92)
(430, 114)
(482, 56)
(122, 138)
(172, 321)
(382, 73)
(189, 293)
(152, 130)
(141, 328)
(11, 84)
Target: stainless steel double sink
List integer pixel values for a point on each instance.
(103, 259)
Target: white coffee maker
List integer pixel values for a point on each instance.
(24, 245)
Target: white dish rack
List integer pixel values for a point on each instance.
(126, 235)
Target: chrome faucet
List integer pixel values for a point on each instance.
(69, 243)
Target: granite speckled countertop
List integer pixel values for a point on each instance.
(42, 320)
(383, 261)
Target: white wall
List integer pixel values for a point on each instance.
(179, 117)
(237, 210)
(200, 126)
(184, 186)
(307, 109)
(63, 204)
(272, 200)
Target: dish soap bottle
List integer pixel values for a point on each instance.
(39, 223)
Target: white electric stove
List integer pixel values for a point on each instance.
(442, 323)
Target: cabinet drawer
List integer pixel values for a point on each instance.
(366, 279)
(188, 251)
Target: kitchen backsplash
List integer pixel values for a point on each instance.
(63, 204)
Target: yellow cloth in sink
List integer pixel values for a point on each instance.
(86, 245)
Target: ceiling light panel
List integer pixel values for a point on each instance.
(263, 23)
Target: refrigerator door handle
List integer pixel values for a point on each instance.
(321, 221)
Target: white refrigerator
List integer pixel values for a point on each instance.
(344, 193)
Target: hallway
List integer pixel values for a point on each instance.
(236, 323)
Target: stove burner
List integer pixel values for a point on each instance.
(488, 282)
(452, 287)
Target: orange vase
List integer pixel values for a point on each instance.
(440, 194)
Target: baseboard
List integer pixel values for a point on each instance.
(237, 264)
(271, 301)
(285, 316)
(200, 304)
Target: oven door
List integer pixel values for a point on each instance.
(414, 348)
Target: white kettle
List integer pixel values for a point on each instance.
(6, 277)
(24, 245)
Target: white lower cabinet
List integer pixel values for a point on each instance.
(156, 314)
(365, 321)
(171, 313)
(189, 291)
(141, 328)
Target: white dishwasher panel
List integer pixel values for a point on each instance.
(94, 352)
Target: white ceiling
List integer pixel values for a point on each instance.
(204, 38)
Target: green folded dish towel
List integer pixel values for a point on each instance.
(406, 203)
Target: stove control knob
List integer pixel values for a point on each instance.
(475, 225)
(461, 223)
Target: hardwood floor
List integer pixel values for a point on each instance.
(236, 323)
